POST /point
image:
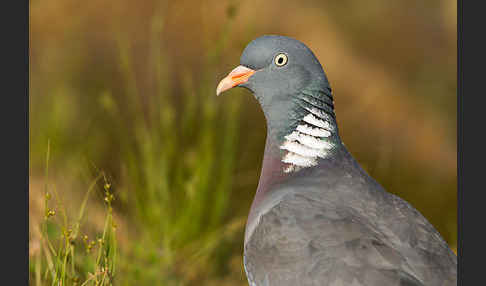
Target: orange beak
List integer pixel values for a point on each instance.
(237, 76)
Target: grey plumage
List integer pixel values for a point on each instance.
(334, 225)
(325, 222)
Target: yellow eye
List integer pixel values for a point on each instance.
(281, 60)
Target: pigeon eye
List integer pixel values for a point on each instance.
(281, 59)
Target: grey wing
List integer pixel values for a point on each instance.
(419, 242)
(302, 241)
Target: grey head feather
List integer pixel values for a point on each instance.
(278, 88)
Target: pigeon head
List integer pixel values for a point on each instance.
(273, 67)
(290, 84)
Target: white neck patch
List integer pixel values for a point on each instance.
(306, 143)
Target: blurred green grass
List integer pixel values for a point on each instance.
(128, 90)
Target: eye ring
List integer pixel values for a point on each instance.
(281, 59)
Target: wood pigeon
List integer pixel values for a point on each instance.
(317, 217)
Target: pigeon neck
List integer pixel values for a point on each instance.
(299, 135)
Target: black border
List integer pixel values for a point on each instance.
(459, 145)
(471, 151)
(14, 23)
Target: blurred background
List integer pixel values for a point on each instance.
(139, 175)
